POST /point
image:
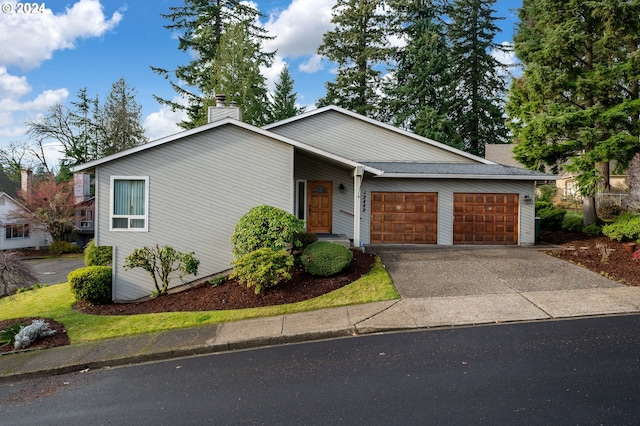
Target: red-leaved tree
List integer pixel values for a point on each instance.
(48, 205)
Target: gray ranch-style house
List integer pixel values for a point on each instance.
(341, 172)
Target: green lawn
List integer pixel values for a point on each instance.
(55, 302)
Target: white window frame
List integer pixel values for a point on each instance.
(8, 235)
(144, 217)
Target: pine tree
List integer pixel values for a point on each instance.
(576, 104)
(358, 44)
(203, 25)
(477, 79)
(418, 95)
(283, 104)
(121, 120)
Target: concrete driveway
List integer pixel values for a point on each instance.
(429, 271)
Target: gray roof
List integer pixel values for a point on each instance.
(455, 171)
(501, 153)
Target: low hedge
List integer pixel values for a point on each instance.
(324, 258)
(91, 284)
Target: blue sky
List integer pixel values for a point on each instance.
(47, 56)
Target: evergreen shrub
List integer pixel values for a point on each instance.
(61, 247)
(324, 258)
(262, 268)
(96, 255)
(625, 228)
(91, 284)
(551, 217)
(265, 227)
(572, 223)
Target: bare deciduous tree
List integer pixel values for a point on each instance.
(14, 273)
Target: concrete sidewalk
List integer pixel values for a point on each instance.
(495, 289)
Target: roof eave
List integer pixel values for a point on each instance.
(465, 176)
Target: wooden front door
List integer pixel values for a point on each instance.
(319, 206)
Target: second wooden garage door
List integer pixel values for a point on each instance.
(485, 218)
(404, 217)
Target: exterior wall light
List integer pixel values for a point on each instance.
(527, 200)
(342, 189)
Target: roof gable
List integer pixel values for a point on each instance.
(208, 128)
(362, 139)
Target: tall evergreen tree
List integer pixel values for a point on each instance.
(87, 130)
(576, 104)
(359, 45)
(238, 76)
(121, 120)
(479, 84)
(283, 104)
(202, 26)
(417, 96)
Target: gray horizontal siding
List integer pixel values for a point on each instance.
(309, 168)
(445, 190)
(358, 140)
(199, 189)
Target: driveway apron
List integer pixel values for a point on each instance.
(436, 271)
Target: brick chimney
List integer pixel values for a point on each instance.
(81, 187)
(26, 180)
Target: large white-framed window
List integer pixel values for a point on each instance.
(129, 203)
(16, 230)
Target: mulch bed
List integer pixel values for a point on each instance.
(232, 295)
(60, 337)
(588, 252)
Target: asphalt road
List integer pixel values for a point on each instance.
(54, 271)
(553, 372)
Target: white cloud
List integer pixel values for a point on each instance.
(30, 39)
(507, 58)
(14, 110)
(311, 65)
(299, 28)
(164, 122)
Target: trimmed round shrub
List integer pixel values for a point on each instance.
(265, 226)
(572, 223)
(551, 218)
(97, 256)
(323, 258)
(91, 284)
(262, 268)
(61, 247)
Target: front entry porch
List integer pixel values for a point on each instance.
(335, 238)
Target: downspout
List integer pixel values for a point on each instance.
(358, 174)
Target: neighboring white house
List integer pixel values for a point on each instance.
(340, 172)
(16, 234)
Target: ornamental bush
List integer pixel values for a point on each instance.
(91, 284)
(265, 267)
(61, 247)
(265, 227)
(323, 258)
(572, 223)
(551, 217)
(97, 256)
(163, 263)
(625, 228)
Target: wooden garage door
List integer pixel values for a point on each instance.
(485, 218)
(404, 217)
